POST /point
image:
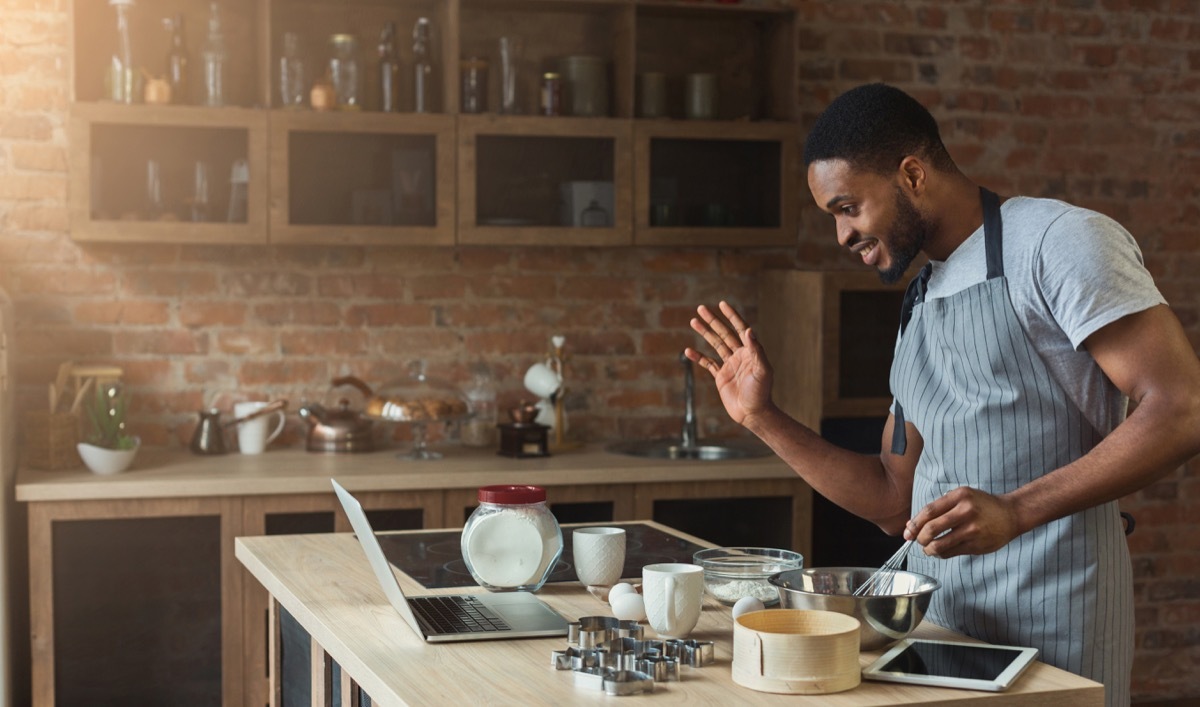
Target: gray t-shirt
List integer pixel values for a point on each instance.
(1070, 272)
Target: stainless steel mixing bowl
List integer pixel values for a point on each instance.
(886, 617)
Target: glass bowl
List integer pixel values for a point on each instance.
(731, 573)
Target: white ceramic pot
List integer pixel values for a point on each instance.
(107, 461)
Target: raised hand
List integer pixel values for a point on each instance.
(741, 370)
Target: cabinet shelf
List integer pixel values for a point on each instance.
(362, 178)
(699, 183)
(447, 178)
(115, 148)
(515, 173)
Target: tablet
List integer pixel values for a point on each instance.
(970, 666)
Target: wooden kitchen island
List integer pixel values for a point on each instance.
(136, 596)
(325, 582)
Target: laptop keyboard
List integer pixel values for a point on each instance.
(457, 614)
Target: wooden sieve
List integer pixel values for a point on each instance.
(796, 651)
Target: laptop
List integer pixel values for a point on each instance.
(453, 617)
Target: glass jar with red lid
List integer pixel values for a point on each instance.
(512, 541)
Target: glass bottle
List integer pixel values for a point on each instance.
(480, 428)
(512, 541)
(389, 70)
(239, 192)
(343, 70)
(291, 73)
(422, 68)
(474, 85)
(199, 200)
(178, 61)
(154, 198)
(121, 73)
(214, 60)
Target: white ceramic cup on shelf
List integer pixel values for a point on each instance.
(674, 595)
(542, 381)
(599, 555)
(254, 435)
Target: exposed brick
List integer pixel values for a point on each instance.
(133, 342)
(195, 315)
(439, 287)
(15, 126)
(170, 283)
(300, 313)
(253, 342)
(128, 312)
(354, 342)
(39, 157)
(36, 217)
(33, 187)
(282, 372)
(635, 400)
(383, 315)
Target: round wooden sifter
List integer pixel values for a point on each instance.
(796, 651)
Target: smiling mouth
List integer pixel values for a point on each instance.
(865, 249)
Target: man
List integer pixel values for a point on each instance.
(1022, 341)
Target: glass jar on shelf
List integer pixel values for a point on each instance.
(479, 429)
(214, 56)
(291, 73)
(343, 70)
(121, 75)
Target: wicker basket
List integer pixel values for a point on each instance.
(50, 440)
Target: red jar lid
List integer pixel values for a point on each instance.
(507, 494)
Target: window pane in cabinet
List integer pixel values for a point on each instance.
(361, 179)
(544, 181)
(715, 183)
(153, 173)
(96, 42)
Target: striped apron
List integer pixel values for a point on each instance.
(994, 419)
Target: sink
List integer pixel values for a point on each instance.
(675, 449)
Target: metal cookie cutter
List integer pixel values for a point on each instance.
(591, 631)
(627, 682)
(697, 654)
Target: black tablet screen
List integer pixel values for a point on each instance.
(952, 660)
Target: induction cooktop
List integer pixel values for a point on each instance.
(434, 559)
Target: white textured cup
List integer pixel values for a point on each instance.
(599, 555)
(254, 435)
(674, 594)
(541, 380)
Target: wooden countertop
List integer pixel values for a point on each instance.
(160, 473)
(324, 581)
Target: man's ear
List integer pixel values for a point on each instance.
(913, 175)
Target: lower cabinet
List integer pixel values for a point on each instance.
(141, 601)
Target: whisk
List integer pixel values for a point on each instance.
(877, 582)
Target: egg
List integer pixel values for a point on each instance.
(619, 589)
(747, 604)
(628, 606)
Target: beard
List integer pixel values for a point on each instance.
(905, 239)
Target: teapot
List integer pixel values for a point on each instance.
(340, 430)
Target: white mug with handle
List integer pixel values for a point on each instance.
(674, 595)
(254, 435)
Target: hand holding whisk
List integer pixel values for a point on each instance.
(876, 583)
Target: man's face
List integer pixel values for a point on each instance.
(874, 217)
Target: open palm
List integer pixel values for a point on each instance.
(741, 371)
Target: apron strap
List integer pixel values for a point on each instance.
(993, 234)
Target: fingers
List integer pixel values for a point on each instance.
(724, 338)
(703, 361)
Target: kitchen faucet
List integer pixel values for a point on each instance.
(689, 403)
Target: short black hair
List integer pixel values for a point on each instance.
(874, 127)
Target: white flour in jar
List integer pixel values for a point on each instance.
(511, 548)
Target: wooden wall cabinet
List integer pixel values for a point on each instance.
(830, 336)
(446, 178)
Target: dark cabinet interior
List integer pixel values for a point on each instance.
(715, 183)
(528, 181)
(752, 522)
(150, 587)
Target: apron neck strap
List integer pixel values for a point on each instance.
(993, 233)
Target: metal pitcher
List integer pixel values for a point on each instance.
(209, 437)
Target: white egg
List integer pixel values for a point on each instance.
(619, 589)
(628, 607)
(747, 604)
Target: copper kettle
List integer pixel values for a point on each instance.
(340, 431)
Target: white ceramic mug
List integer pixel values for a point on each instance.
(674, 594)
(254, 435)
(599, 555)
(541, 380)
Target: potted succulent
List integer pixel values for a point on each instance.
(108, 449)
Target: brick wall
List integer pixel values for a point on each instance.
(1093, 101)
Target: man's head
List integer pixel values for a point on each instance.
(869, 157)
